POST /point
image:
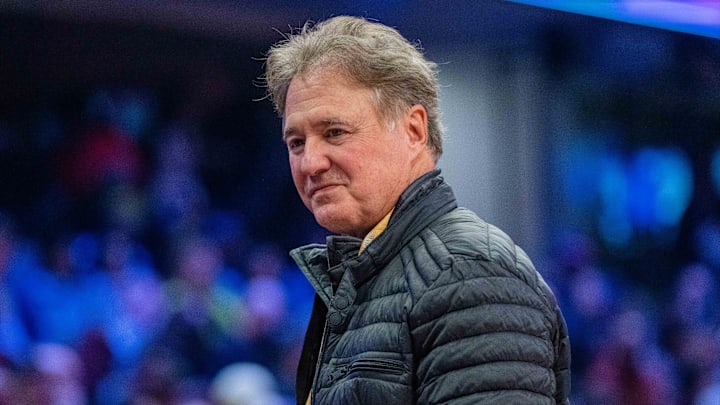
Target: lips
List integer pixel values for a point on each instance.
(320, 188)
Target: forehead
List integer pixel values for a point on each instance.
(324, 84)
(327, 97)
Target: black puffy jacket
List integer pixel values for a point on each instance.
(441, 308)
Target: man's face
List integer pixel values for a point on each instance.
(347, 165)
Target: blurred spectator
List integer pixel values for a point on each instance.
(62, 299)
(131, 110)
(693, 325)
(14, 337)
(277, 311)
(706, 240)
(103, 156)
(135, 295)
(135, 311)
(246, 384)
(205, 309)
(710, 394)
(265, 294)
(58, 378)
(628, 368)
(178, 198)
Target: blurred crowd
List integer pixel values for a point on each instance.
(123, 282)
(636, 213)
(143, 253)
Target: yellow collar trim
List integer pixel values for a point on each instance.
(375, 232)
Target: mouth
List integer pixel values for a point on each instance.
(318, 189)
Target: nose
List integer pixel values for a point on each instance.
(315, 159)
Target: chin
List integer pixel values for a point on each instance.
(341, 219)
(336, 225)
(332, 226)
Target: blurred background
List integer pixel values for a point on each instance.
(146, 207)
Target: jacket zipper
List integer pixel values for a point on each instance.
(318, 363)
(385, 366)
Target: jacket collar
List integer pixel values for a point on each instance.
(425, 200)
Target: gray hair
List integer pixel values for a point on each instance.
(372, 54)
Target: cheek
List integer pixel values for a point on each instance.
(298, 179)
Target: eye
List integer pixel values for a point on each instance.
(333, 132)
(293, 144)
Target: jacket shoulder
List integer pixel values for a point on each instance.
(471, 283)
(461, 234)
(460, 246)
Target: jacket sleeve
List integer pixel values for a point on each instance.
(484, 335)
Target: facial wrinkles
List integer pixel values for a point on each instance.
(315, 164)
(309, 119)
(366, 165)
(326, 178)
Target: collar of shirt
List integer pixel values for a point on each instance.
(375, 232)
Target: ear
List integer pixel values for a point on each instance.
(416, 126)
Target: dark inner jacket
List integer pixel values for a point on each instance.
(441, 308)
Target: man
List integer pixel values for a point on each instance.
(417, 301)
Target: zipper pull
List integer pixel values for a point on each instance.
(337, 374)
